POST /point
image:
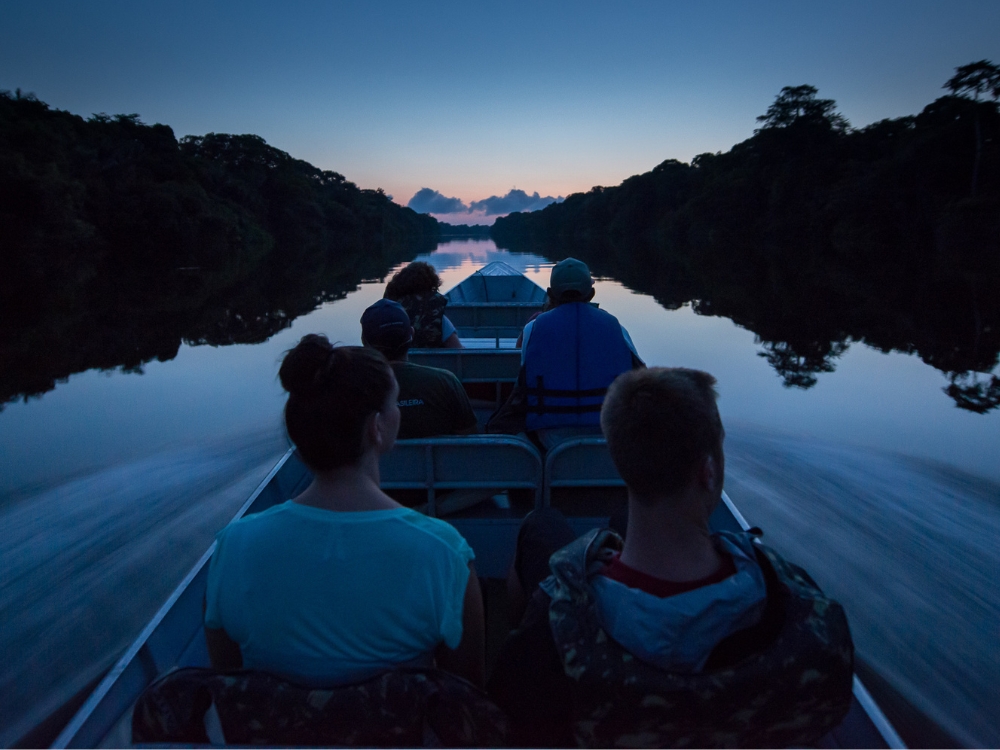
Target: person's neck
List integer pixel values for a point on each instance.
(348, 488)
(669, 538)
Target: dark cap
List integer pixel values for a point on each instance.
(386, 324)
(570, 275)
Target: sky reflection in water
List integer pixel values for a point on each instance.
(889, 402)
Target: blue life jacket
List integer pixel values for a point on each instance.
(572, 355)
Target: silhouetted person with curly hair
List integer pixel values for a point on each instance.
(416, 287)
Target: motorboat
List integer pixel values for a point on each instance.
(482, 471)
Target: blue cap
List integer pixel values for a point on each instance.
(386, 324)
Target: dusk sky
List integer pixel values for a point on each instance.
(474, 99)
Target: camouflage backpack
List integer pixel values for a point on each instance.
(792, 691)
(401, 708)
(426, 314)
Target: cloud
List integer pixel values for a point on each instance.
(427, 201)
(455, 211)
(515, 200)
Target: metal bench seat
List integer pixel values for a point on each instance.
(472, 365)
(483, 462)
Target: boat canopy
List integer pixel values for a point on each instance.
(496, 283)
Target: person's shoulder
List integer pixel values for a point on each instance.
(248, 531)
(436, 532)
(600, 312)
(426, 373)
(414, 368)
(250, 523)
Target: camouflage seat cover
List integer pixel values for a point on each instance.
(401, 708)
(426, 314)
(791, 692)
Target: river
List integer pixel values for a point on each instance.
(113, 483)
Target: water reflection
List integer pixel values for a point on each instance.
(905, 543)
(805, 318)
(799, 364)
(139, 316)
(803, 325)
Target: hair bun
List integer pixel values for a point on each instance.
(305, 366)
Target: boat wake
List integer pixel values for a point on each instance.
(86, 563)
(908, 546)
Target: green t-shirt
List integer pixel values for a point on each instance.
(431, 402)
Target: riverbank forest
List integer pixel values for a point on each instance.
(813, 234)
(119, 242)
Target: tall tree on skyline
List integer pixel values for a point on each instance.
(798, 104)
(976, 78)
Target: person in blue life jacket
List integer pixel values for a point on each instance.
(570, 354)
(674, 635)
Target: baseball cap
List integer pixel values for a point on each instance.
(386, 324)
(570, 275)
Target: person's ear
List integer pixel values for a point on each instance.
(383, 438)
(591, 295)
(373, 429)
(708, 473)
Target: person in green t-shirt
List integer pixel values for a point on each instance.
(431, 401)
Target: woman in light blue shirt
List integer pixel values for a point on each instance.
(342, 583)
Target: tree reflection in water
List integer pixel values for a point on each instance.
(119, 242)
(798, 366)
(974, 391)
(813, 235)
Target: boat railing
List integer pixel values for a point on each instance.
(499, 321)
(579, 462)
(488, 464)
(491, 315)
(585, 463)
(472, 365)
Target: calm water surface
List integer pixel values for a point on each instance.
(112, 484)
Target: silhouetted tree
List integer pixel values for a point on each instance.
(118, 243)
(811, 236)
(797, 105)
(976, 78)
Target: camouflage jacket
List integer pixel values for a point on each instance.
(401, 708)
(791, 691)
(426, 314)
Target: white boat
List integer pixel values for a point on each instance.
(503, 299)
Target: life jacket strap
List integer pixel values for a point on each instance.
(540, 392)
